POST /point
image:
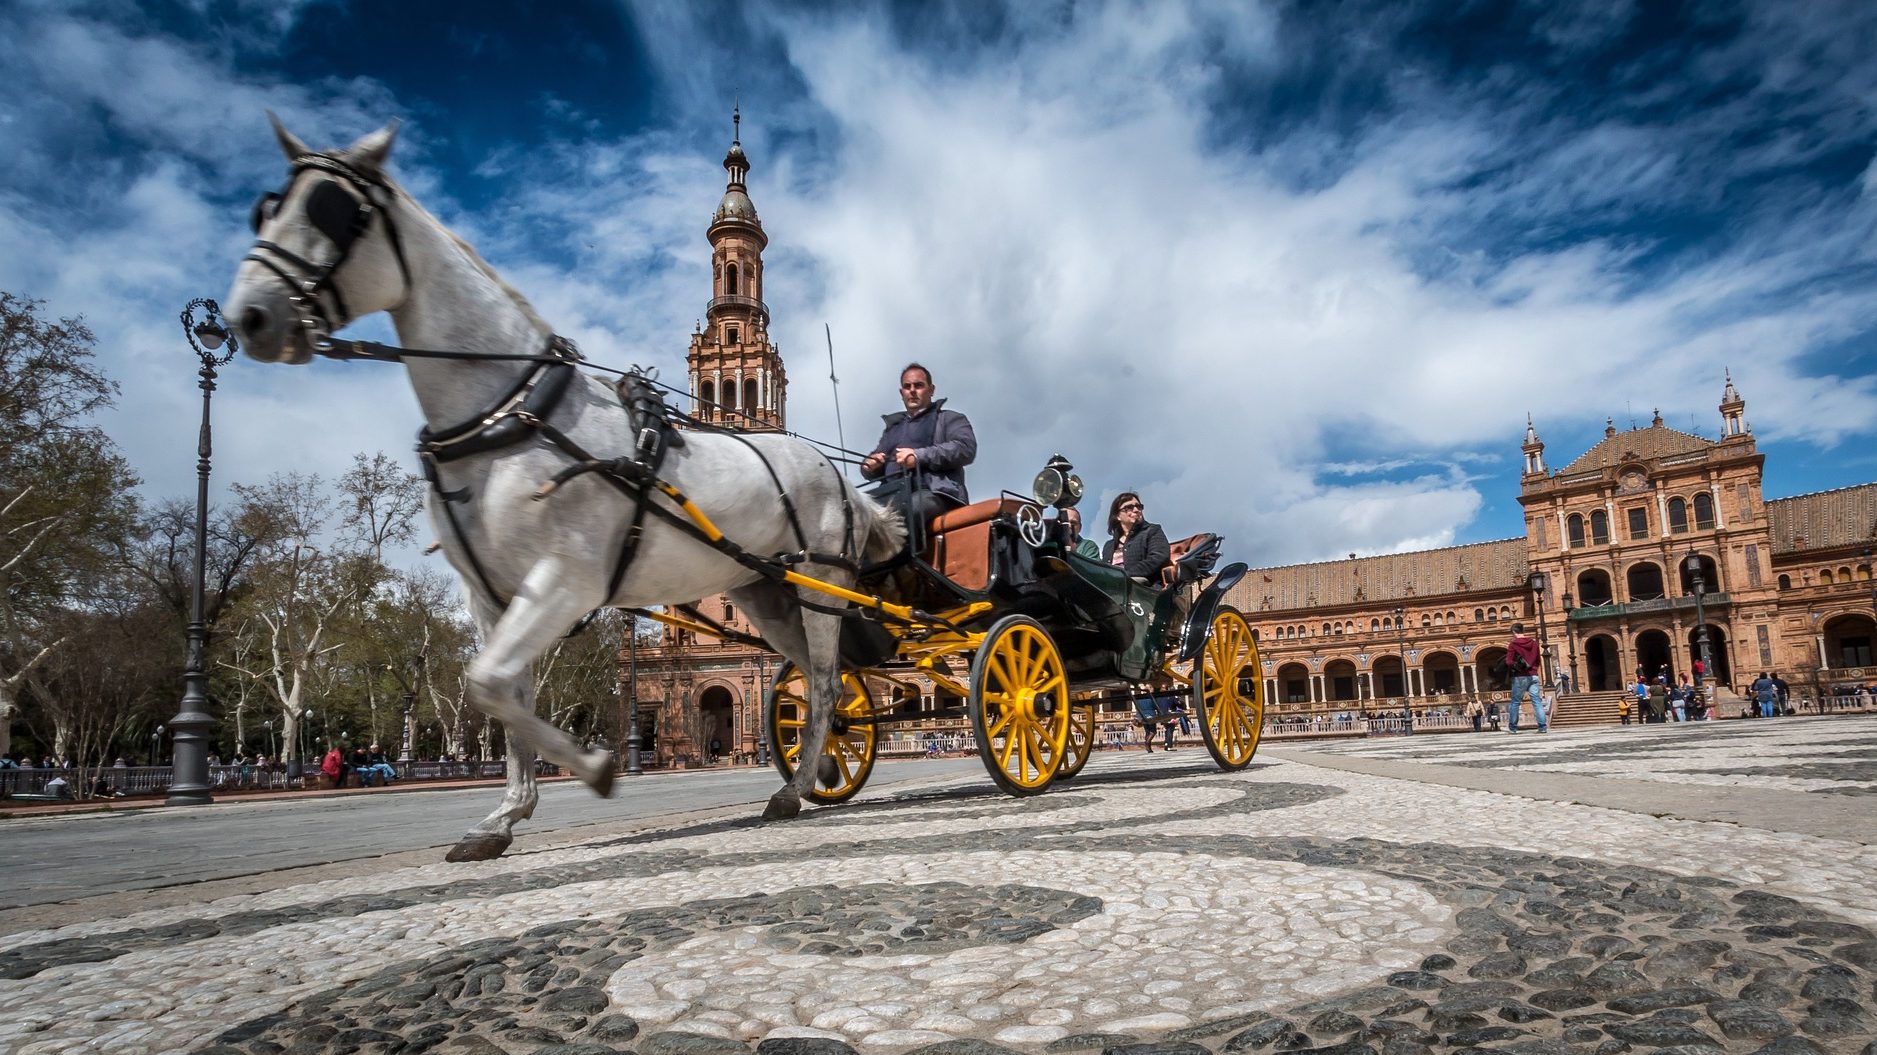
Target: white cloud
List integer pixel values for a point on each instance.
(1054, 213)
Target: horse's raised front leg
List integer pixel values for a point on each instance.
(500, 680)
(491, 838)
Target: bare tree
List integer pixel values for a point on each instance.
(382, 503)
(66, 504)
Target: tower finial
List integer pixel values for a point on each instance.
(736, 122)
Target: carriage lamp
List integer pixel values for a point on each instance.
(1057, 485)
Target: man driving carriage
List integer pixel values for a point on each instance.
(922, 454)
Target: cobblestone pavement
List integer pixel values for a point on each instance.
(1822, 755)
(1152, 906)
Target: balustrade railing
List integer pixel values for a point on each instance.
(101, 782)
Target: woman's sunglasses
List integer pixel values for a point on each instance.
(1133, 507)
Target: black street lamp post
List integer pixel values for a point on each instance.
(633, 767)
(1401, 642)
(1693, 564)
(189, 743)
(156, 745)
(1538, 581)
(1570, 636)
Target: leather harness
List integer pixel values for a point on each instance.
(342, 212)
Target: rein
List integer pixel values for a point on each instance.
(342, 213)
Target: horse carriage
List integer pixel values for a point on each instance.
(555, 493)
(991, 604)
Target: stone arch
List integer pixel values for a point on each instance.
(1388, 674)
(1603, 665)
(1440, 673)
(1654, 657)
(1293, 683)
(1483, 663)
(1643, 581)
(716, 714)
(1593, 588)
(1339, 679)
(1710, 575)
(1850, 641)
(1717, 651)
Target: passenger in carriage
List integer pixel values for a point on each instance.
(1082, 547)
(922, 454)
(1137, 546)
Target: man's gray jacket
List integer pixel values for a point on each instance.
(942, 462)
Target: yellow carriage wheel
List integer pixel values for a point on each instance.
(850, 745)
(1019, 705)
(1081, 740)
(1228, 691)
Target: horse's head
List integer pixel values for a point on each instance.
(327, 250)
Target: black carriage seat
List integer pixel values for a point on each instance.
(959, 544)
(1191, 559)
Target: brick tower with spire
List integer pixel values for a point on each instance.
(736, 373)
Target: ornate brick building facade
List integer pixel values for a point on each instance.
(1607, 572)
(1785, 583)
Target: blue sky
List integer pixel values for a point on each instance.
(1296, 271)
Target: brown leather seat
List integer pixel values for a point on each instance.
(960, 546)
(1176, 550)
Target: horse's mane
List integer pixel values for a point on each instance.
(470, 252)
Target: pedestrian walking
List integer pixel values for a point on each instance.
(1522, 664)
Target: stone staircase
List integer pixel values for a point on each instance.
(1581, 709)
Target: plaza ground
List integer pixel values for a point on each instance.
(1703, 887)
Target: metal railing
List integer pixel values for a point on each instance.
(736, 301)
(101, 782)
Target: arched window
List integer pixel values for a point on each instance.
(731, 335)
(1505, 611)
(1785, 582)
(1574, 526)
(1492, 615)
(1824, 576)
(1339, 629)
(749, 394)
(1844, 574)
(1479, 615)
(729, 281)
(1600, 528)
(1451, 618)
(1704, 512)
(1644, 581)
(1437, 621)
(707, 394)
(1593, 588)
(1374, 625)
(1677, 516)
(1326, 629)
(1426, 620)
(729, 395)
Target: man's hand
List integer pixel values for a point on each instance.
(906, 458)
(873, 463)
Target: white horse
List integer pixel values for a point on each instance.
(342, 241)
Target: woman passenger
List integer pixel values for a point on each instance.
(1136, 546)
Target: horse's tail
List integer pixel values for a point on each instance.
(883, 527)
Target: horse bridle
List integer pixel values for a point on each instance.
(341, 211)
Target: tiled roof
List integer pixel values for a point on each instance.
(1656, 441)
(1844, 517)
(1384, 578)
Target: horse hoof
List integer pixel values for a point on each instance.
(602, 782)
(783, 805)
(478, 848)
